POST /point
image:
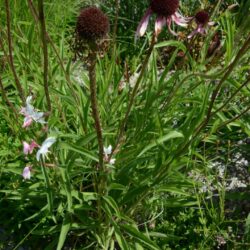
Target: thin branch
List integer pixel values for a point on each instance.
(231, 97)
(11, 61)
(234, 118)
(70, 84)
(45, 53)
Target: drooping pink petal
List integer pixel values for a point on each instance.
(27, 173)
(26, 148)
(159, 24)
(194, 32)
(201, 29)
(142, 27)
(180, 20)
(169, 21)
(33, 145)
(27, 121)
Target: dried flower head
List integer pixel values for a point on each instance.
(202, 17)
(92, 24)
(164, 7)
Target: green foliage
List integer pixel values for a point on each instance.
(166, 112)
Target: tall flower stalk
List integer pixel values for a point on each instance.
(45, 53)
(11, 60)
(91, 29)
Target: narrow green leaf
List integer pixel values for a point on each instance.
(170, 135)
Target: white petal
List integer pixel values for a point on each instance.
(159, 24)
(179, 20)
(108, 150)
(28, 100)
(142, 27)
(169, 21)
(112, 161)
(45, 146)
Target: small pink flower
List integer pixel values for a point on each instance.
(166, 13)
(28, 148)
(31, 114)
(27, 172)
(202, 20)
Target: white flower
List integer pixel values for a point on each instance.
(112, 161)
(235, 183)
(45, 146)
(31, 114)
(107, 152)
(27, 173)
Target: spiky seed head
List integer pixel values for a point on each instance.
(92, 24)
(164, 7)
(202, 17)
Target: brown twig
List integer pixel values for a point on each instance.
(234, 118)
(45, 53)
(11, 61)
(94, 105)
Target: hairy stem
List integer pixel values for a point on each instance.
(94, 106)
(11, 60)
(45, 53)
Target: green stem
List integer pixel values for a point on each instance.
(47, 185)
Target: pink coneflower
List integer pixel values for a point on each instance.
(166, 12)
(202, 20)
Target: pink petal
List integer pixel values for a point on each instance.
(193, 33)
(26, 173)
(159, 23)
(33, 145)
(169, 21)
(26, 147)
(142, 27)
(201, 29)
(23, 111)
(179, 20)
(27, 122)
